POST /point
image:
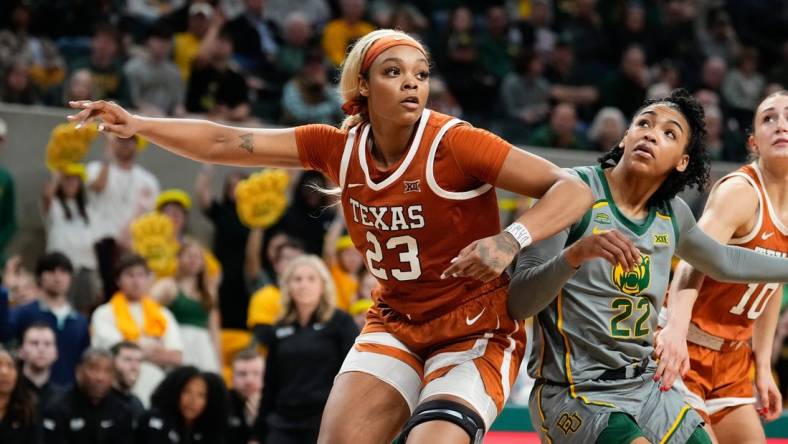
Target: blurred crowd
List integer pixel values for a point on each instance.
(553, 73)
(241, 339)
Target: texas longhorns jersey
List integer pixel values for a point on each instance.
(410, 220)
(729, 310)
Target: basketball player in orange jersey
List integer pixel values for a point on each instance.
(749, 208)
(439, 352)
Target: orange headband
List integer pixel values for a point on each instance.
(357, 105)
(385, 43)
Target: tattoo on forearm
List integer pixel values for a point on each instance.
(246, 142)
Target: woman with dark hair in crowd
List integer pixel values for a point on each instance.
(188, 404)
(191, 296)
(70, 230)
(17, 405)
(305, 351)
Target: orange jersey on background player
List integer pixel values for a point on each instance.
(409, 221)
(729, 310)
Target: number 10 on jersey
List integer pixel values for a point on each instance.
(408, 250)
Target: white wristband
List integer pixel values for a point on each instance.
(520, 234)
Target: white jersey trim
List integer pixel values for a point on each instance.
(772, 214)
(414, 147)
(430, 173)
(351, 139)
(757, 228)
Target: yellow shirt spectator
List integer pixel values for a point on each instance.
(338, 34)
(346, 284)
(185, 50)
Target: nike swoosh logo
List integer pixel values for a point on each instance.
(597, 230)
(473, 321)
(765, 236)
(354, 185)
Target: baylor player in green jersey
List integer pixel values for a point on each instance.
(596, 288)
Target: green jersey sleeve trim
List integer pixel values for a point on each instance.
(578, 229)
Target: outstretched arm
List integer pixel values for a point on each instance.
(199, 140)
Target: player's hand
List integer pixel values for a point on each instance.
(670, 350)
(115, 119)
(769, 397)
(611, 245)
(484, 259)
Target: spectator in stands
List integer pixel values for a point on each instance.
(298, 39)
(743, 86)
(317, 12)
(217, 89)
(38, 352)
(562, 130)
(719, 39)
(306, 348)
(498, 45)
(120, 190)
(569, 81)
(189, 404)
(79, 86)
(409, 19)
(346, 29)
(607, 129)
(19, 283)
(7, 200)
(155, 84)
(343, 261)
(89, 412)
(721, 143)
(17, 86)
(713, 74)
(525, 95)
(133, 316)
(191, 297)
(194, 45)
(584, 27)
(70, 229)
(255, 38)
(105, 63)
(265, 305)
(633, 30)
(459, 61)
(538, 32)
(230, 238)
(363, 299)
(310, 213)
(247, 382)
(146, 12)
(309, 97)
(53, 272)
(176, 204)
(779, 71)
(441, 99)
(676, 39)
(18, 421)
(667, 79)
(126, 362)
(626, 90)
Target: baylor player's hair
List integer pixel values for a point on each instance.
(697, 172)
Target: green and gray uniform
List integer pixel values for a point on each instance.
(594, 326)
